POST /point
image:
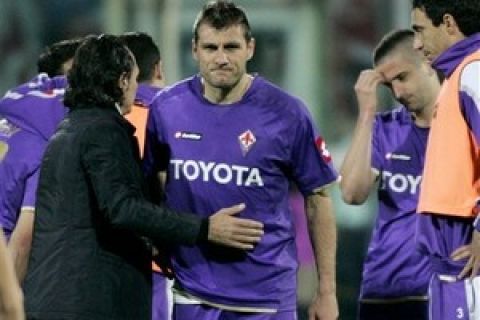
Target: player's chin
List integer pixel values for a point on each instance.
(223, 83)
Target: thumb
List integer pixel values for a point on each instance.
(233, 210)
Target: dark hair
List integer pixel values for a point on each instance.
(465, 12)
(222, 14)
(146, 53)
(391, 41)
(55, 55)
(97, 67)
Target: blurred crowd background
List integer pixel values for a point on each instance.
(312, 48)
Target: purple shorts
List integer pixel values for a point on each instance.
(450, 299)
(199, 311)
(161, 300)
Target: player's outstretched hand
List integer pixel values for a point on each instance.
(228, 230)
(472, 252)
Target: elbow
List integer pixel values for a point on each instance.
(353, 195)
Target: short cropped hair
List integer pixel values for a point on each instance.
(97, 67)
(146, 53)
(465, 12)
(55, 55)
(222, 14)
(391, 41)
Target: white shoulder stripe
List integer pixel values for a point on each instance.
(470, 82)
(37, 93)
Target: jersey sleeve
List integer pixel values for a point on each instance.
(470, 97)
(377, 159)
(29, 195)
(312, 164)
(157, 152)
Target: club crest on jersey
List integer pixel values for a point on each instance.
(188, 135)
(246, 140)
(322, 148)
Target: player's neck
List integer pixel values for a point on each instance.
(224, 96)
(424, 117)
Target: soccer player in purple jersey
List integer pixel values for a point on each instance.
(389, 148)
(230, 137)
(448, 34)
(151, 79)
(29, 115)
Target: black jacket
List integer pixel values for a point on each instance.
(89, 259)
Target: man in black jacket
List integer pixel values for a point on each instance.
(89, 259)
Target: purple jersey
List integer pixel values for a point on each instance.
(224, 155)
(146, 93)
(29, 115)
(393, 267)
(438, 236)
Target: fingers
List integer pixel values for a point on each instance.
(465, 270)
(461, 253)
(368, 79)
(233, 209)
(249, 225)
(475, 268)
(233, 231)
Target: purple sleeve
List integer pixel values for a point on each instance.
(311, 161)
(377, 158)
(29, 195)
(156, 153)
(470, 97)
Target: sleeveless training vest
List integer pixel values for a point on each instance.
(451, 176)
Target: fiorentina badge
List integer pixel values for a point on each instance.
(247, 140)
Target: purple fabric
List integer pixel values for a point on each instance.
(146, 93)
(225, 155)
(160, 303)
(36, 106)
(195, 311)
(393, 268)
(448, 300)
(29, 115)
(448, 61)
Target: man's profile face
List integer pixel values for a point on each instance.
(129, 87)
(430, 40)
(222, 55)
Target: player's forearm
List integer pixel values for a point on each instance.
(10, 293)
(357, 176)
(21, 243)
(323, 234)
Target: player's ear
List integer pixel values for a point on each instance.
(123, 81)
(194, 49)
(251, 48)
